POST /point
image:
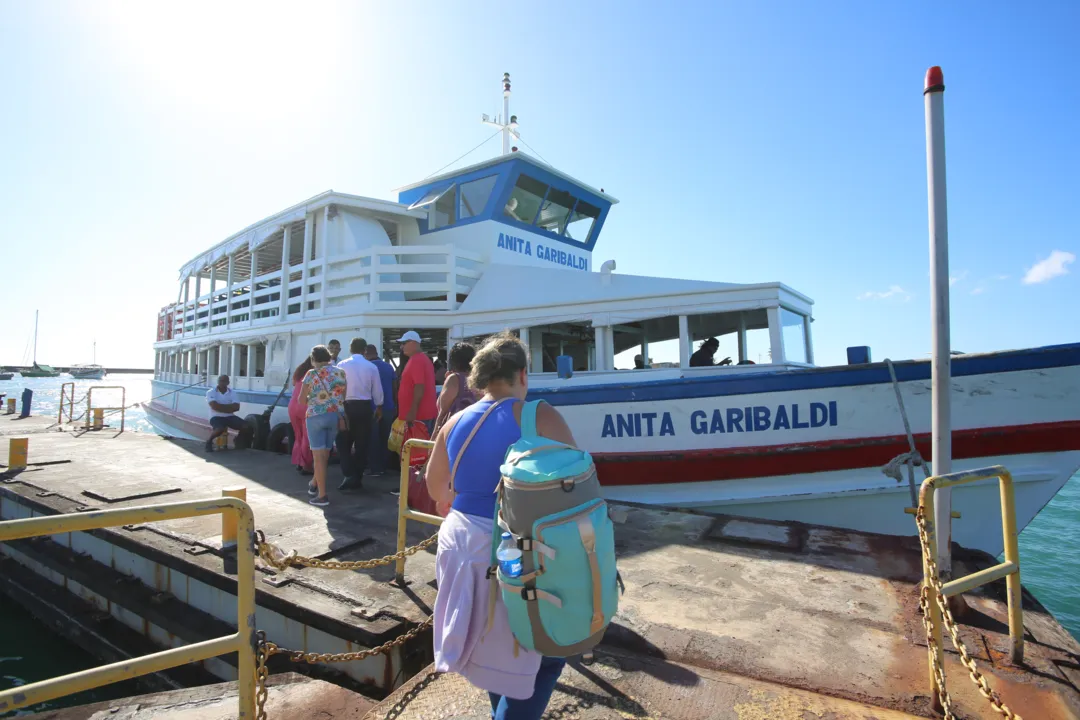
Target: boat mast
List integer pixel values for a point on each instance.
(941, 428)
(506, 123)
(35, 336)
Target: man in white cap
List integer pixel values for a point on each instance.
(416, 396)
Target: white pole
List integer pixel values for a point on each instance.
(941, 432)
(506, 114)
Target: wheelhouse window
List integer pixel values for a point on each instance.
(794, 330)
(576, 340)
(475, 195)
(525, 200)
(555, 211)
(440, 205)
(581, 221)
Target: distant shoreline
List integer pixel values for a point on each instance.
(63, 368)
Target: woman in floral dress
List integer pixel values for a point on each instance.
(323, 392)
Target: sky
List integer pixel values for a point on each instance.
(747, 142)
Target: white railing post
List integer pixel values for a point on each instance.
(210, 306)
(198, 296)
(684, 341)
(283, 307)
(324, 287)
(809, 341)
(229, 290)
(309, 221)
(251, 291)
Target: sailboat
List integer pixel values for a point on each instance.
(37, 371)
(88, 372)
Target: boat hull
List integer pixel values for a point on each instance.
(808, 445)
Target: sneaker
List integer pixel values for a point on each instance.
(209, 446)
(320, 501)
(350, 485)
(312, 489)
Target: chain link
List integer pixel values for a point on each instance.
(954, 632)
(273, 556)
(268, 649)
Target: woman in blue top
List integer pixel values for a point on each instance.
(519, 682)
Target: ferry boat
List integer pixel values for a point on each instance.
(509, 243)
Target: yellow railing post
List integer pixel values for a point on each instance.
(243, 642)
(228, 522)
(404, 513)
(1010, 569)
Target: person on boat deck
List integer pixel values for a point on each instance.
(519, 682)
(511, 209)
(440, 366)
(223, 407)
(456, 395)
(378, 452)
(416, 396)
(704, 355)
(323, 393)
(335, 349)
(301, 451)
(639, 363)
(363, 404)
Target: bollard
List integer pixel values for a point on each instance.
(99, 418)
(17, 453)
(228, 520)
(27, 397)
(11, 406)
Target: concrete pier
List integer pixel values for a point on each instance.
(723, 617)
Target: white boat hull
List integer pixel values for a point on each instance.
(816, 439)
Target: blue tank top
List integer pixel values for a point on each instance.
(478, 474)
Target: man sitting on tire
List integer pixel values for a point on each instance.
(223, 407)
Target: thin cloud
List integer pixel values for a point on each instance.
(957, 278)
(978, 291)
(893, 291)
(1053, 266)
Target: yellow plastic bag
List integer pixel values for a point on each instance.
(397, 436)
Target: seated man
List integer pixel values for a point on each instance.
(223, 407)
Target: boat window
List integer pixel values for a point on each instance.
(475, 195)
(547, 342)
(581, 221)
(525, 200)
(794, 331)
(555, 211)
(443, 201)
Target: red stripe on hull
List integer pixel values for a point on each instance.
(770, 460)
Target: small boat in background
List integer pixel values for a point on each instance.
(87, 372)
(6, 375)
(38, 371)
(93, 371)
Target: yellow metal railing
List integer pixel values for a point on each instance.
(90, 406)
(405, 513)
(69, 398)
(1010, 569)
(243, 642)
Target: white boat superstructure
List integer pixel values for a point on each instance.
(508, 243)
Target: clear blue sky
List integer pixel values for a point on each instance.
(747, 142)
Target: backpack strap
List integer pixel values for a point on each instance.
(472, 434)
(528, 419)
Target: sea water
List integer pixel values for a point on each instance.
(1049, 546)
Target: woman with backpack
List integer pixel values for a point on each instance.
(323, 392)
(465, 471)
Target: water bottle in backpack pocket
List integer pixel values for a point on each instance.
(550, 504)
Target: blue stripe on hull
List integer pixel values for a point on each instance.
(766, 382)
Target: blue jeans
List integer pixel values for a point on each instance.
(504, 708)
(322, 430)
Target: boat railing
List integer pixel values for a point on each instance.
(410, 277)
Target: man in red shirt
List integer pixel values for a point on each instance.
(416, 396)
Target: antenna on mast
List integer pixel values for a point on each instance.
(506, 122)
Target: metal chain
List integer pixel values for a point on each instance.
(267, 649)
(954, 632)
(273, 556)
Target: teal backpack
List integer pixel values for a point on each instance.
(549, 500)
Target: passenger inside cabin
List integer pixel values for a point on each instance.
(704, 357)
(511, 209)
(639, 363)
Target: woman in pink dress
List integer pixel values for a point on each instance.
(301, 450)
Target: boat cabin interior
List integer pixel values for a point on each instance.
(503, 244)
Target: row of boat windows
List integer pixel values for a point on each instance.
(531, 201)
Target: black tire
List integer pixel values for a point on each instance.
(260, 430)
(280, 439)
